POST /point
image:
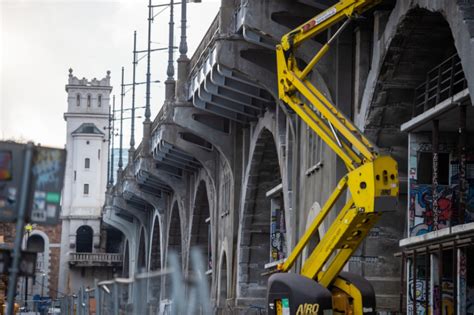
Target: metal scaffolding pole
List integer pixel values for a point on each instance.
(20, 225)
(122, 94)
(135, 62)
(113, 137)
(148, 61)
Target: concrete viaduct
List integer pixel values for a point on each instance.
(225, 166)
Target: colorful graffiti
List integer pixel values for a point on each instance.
(420, 292)
(447, 297)
(277, 232)
(422, 217)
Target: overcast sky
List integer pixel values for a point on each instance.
(41, 39)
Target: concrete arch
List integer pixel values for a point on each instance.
(155, 249)
(142, 251)
(224, 281)
(199, 226)
(156, 255)
(175, 238)
(262, 175)
(275, 124)
(174, 243)
(451, 11)
(126, 260)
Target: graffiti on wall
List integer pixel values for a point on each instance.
(421, 207)
(422, 216)
(277, 231)
(421, 288)
(420, 292)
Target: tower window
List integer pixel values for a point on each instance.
(86, 189)
(75, 175)
(87, 163)
(98, 154)
(89, 100)
(99, 100)
(78, 100)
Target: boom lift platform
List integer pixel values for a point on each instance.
(372, 181)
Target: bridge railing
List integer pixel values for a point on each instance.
(442, 82)
(203, 48)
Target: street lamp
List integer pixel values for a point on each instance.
(42, 283)
(28, 229)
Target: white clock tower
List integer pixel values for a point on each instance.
(86, 178)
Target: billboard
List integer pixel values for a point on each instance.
(45, 183)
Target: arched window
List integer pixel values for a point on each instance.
(99, 100)
(87, 163)
(84, 236)
(35, 243)
(78, 100)
(89, 100)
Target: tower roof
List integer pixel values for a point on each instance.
(76, 83)
(88, 128)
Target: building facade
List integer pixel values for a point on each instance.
(45, 241)
(83, 256)
(225, 166)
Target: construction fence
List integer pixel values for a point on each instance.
(167, 291)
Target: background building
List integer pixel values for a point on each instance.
(83, 239)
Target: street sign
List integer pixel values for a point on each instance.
(48, 177)
(11, 171)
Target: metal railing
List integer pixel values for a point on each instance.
(95, 259)
(442, 82)
(203, 48)
(165, 291)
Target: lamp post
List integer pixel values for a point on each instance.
(42, 283)
(28, 229)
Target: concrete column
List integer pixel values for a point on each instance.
(461, 278)
(146, 145)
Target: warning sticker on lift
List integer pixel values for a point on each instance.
(319, 19)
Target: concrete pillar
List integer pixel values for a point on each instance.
(461, 278)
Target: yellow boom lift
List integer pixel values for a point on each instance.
(372, 181)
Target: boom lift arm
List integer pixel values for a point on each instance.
(372, 180)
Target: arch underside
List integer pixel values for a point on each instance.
(260, 242)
